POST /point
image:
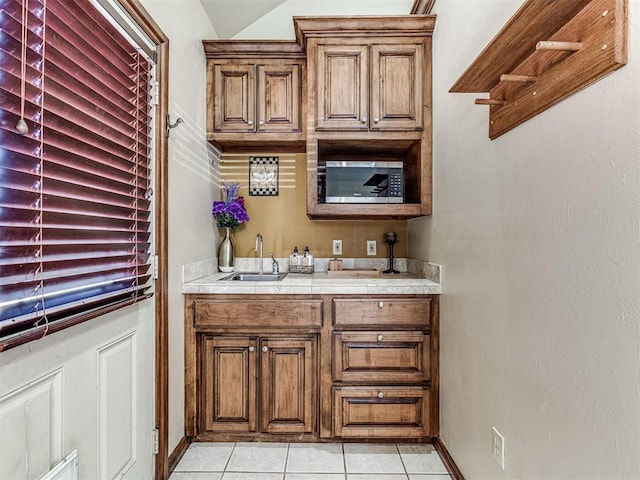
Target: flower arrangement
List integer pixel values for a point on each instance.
(230, 212)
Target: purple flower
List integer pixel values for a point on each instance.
(230, 212)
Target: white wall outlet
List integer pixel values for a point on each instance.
(371, 247)
(497, 446)
(337, 247)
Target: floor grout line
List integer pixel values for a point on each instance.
(345, 475)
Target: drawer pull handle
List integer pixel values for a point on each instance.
(380, 304)
(265, 349)
(380, 394)
(380, 337)
(252, 348)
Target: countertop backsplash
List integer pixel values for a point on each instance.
(430, 271)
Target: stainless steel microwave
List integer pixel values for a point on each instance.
(363, 182)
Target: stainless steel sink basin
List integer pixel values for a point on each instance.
(255, 277)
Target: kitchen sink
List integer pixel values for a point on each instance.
(255, 277)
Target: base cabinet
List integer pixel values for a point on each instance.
(311, 367)
(383, 367)
(258, 384)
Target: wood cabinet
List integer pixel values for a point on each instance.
(253, 384)
(228, 396)
(259, 367)
(251, 366)
(368, 98)
(254, 95)
(370, 87)
(384, 381)
(256, 98)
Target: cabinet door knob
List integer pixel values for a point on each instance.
(250, 122)
(364, 119)
(380, 394)
(265, 349)
(380, 304)
(376, 119)
(380, 337)
(252, 348)
(261, 122)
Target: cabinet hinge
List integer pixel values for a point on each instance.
(156, 441)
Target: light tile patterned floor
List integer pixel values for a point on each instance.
(310, 461)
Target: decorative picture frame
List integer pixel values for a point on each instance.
(263, 176)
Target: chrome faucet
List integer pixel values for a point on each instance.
(259, 245)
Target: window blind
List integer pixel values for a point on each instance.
(75, 206)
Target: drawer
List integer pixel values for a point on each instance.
(415, 312)
(391, 357)
(258, 313)
(384, 412)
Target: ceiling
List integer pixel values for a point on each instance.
(229, 17)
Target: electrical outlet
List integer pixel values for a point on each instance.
(371, 247)
(497, 445)
(337, 247)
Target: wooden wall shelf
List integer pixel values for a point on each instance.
(546, 52)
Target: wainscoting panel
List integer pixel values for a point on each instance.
(117, 407)
(31, 432)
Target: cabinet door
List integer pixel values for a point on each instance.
(278, 98)
(288, 385)
(342, 87)
(233, 100)
(397, 87)
(228, 384)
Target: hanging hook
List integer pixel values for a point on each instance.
(172, 125)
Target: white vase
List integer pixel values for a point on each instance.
(226, 254)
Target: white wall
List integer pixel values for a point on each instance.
(192, 237)
(539, 235)
(278, 24)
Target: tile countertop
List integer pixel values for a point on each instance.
(317, 283)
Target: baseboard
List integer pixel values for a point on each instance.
(452, 468)
(177, 454)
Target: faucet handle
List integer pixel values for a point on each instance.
(275, 266)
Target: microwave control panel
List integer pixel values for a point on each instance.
(395, 183)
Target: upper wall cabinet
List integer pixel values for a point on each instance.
(254, 95)
(377, 87)
(367, 73)
(368, 98)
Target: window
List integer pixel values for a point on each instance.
(75, 188)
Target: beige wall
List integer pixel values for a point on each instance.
(538, 233)
(282, 220)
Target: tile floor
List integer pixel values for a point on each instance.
(310, 461)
